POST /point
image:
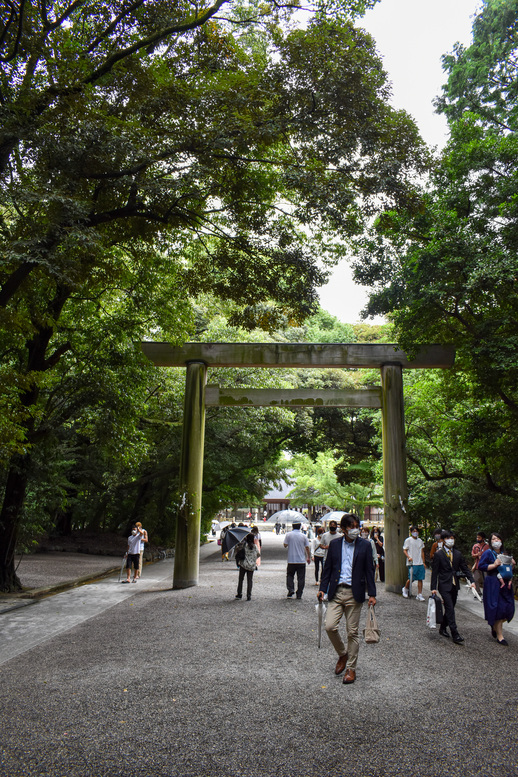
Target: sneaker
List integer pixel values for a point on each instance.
(404, 591)
(420, 598)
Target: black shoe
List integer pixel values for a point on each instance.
(290, 594)
(444, 633)
(299, 596)
(249, 596)
(502, 642)
(238, 596)
(458, 639)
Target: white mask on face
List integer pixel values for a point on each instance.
(450, 542)
(496, 544)
(415, 534)
(134, 531)
(353, 533)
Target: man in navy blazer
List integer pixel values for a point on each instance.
(348, 571)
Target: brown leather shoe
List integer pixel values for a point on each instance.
(349, 676)
(340, 664)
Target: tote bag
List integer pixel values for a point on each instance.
(371, 632)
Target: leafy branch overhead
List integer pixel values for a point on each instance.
(153, 152)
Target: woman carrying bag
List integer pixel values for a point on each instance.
(247, 561)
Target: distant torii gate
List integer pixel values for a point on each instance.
(391, 361)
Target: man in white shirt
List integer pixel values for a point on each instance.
(133, 553)
(298, 555)
(413, 548)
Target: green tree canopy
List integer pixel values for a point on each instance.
(447, 272)
(150, 153)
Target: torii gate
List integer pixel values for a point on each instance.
(391, 361)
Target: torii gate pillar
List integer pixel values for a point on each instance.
(186, 558)
(394, 475)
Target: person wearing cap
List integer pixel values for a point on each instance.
(348, 571)
(447, 566)
(298, 555)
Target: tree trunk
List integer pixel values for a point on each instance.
(14, 497)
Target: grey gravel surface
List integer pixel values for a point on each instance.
(194, 683)
(41, 569)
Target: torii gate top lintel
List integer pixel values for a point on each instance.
(305, 355)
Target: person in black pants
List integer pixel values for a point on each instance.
(447, 566)
(247, 566)
(380, 550)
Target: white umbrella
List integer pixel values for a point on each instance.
(285, 516)
(222, 524)
(334, 516)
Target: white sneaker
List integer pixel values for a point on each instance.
(420, 598)
(404, 591)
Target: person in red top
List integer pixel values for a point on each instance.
(478, 548)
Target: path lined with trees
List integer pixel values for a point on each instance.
(182, 174)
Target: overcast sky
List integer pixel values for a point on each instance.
(411, 36)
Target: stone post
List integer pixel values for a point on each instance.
(187, 551)
(395, 486)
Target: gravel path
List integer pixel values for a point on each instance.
(194, 683)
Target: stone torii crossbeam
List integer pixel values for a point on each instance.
(197, 357)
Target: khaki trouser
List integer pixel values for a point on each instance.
(344, 602)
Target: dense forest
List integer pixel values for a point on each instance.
(177, 173)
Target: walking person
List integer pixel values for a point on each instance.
(364, 534)
(380, 550)
(330, 535)
(133, 554)
(258, 542)
(447, 566)
(498, 591)
(318, 553)
(348, 571)
(437, 544)
(298, 555)
(247, 566)
(143, 540)
(413, 548)
(478, 549)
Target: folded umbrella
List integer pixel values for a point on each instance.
(321, 611)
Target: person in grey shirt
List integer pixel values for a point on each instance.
(298, 555)
(331, 534)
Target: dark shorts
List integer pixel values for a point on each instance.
(133, 558)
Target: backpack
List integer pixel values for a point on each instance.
(239, 554)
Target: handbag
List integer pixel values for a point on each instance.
(371, 632)
(430, 613)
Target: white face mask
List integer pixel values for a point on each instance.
(134, 531)
(415, 534)
(353, 533)
(496, 544)
(449, 542)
